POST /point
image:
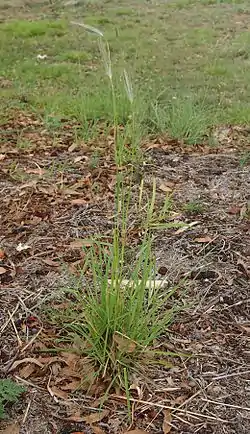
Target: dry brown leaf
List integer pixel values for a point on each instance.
(78, 432)
(26, 360)
(72, 386)
(72, 147)
(76, 418)
(26, 371)
(79, 201)
(50, 262)
(3, 270)
(90, 419)
(70, 192)
(59, 393)
(246, 328)
(70, 373)
(167, 187)
(124, 343)
(234, 210)
(136, 431)
(14, 428)
(96, 417)
(2, 254)
(80, 243)
(205, 239)
(39, 171)
(2, 157)
(55, 369)
(186, 227)
(97, 430)
(166, 427)
(80, 158)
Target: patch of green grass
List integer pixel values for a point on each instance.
(119, 315)
(32, 29)
(17, 174)
(185, 3)
(194, 208)
(94, 160)
(245, 159)
(23, 144)
(73, 56)
(52, 122)
(183, 119)
(196, 60)
(10, 392)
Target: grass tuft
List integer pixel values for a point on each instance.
(182, 118)
(194, 207)
(121, 312)
(123, 309)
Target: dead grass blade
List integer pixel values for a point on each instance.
(174, 409)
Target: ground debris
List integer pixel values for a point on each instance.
(48, 216)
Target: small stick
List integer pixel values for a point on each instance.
(152, 420)
(193, 396)
(204, 296)
(46, 252)
(15, 329)
(188, 413)
(26, 412)
(234, 374)
(225, 405)
(207, 244)
(23, 304)
(31, 341)
(28, 383)
(49, 389)
(8, 320)
(184, 421)
(86, 407)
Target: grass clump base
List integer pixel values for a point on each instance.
(116, 318)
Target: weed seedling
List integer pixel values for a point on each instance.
(245, 159)
(194, 208)
(23, 144)
(9, 392)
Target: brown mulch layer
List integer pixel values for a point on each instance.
(53, 193)
(215, 323)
